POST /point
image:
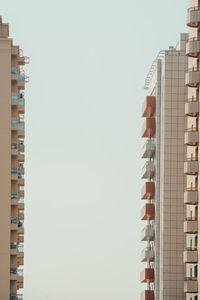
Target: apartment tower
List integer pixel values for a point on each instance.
(191, 166)
(163, 173)
(12, 109)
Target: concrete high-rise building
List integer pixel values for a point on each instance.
(163, 172)
(12, 109)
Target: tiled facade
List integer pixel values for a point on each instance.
(12, 110)
(164, 129)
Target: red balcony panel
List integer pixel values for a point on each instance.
(148, 211)
(148, 190)
(148, 128)
(147, 275)
(147, 295)
(149, 106)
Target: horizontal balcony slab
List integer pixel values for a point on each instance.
(147, 275)
(148, 128)
(147, 254)
(149, 106)
(148, 190)
(147, 295)
(147, 233)
(148, 171)
(148, 211)
(148, 150)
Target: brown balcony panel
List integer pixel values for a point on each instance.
(21, 216)
(14, 102)
(14, 177)
(148, 211)
(20, 238)
(21, 157)
(193, 16)
(14, 77)
(20, 181)
(13, 227)
(13, 277)
(20, 255)
(13, 252)
(14, 127)
(21, 230)
(148, 128)
(14, 50)
(21, 206)
(149, 106)
(20, 285)
(14, 202)
(147, 295)
(148, 190)
(21, 134)
(147, 275)
(20, 262)
(14, 152)
(192, 77)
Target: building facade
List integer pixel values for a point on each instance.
(12, 109)
(163, 172)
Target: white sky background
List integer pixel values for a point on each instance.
(89, 59)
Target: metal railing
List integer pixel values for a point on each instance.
(14, 195)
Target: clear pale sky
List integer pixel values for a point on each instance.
(89, 59)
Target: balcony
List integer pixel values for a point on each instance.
(148, 212)
(148, 171)
(21, 238)
(21, 130)
(191, 296)
(14, 123)
(149, 106)
(14, 99)
(21, 107)
(14, 175)
(13, 248)
(14, 150)
(148, 128)
(148, 190)
(20, 251)
(190, 256)
(193, 16)
(22, 60)
(191, 196)
(192, 137)
(190, 286)
(20, 178)
(21, 214)
(147, 275)
(147, 295)
(21, 155)
(191, 166)
(13, 222)
(193, 47)
(14, 198)
(192, 77)
(147, 233)
(190, 226)
(148, 149)
(192, 107)
(147, 254)
(13, 273)
(20, 261)
(14, 73)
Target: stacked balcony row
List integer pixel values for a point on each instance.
(148, 191)
(191, 165)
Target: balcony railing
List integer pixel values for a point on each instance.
(13, 220)
(21, 175)
(14, 120)
(13, 170)
(20, 272)
(20, 248)
(21, 126)
(14, 145)
(14, 70)
(13, 245)
(21, 200)
(21, 101)
(14, 196)
(13, 270)
(14, 96)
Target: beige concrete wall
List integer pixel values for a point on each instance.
(172, 176)
(5, 166)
